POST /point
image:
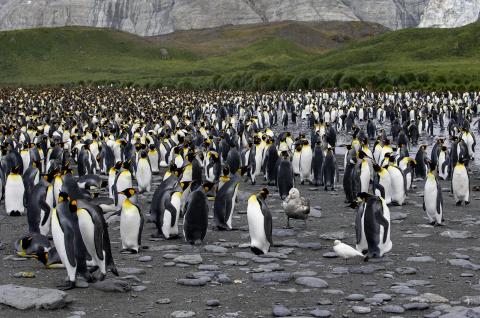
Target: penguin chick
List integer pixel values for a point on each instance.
(345, 251)
(296, 207)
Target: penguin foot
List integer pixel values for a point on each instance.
(128, 251)
(467, 203)
(459, 203)
(66, 286)
(114, 270)
(433, 223)
(256, 250)
(93, 269)
(15, 213)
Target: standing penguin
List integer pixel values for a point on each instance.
(398, 182)
(259, 223)
(317, 163)
(144, 173)
(443, 163)
(285, 176)
(350, 181)
(131, 223)
(168, 214)
(461, 183)
(63, 233)
(306, 155)
(432, 197)
(38, 210)
(224, 205)
(153, 158)
(421, 163)
(196, 216)
(14, 193)
(329, 170)
(372, 226)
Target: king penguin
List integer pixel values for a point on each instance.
(14, 193)
(196, 216)
(131, 223)
(432, 197)
(224, 204)
(144, 173)
(259, 223)
(461, 183)
(285, 176)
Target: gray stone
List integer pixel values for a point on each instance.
(284, 232)
(111, 285)
(457, 234)
(201, 281)
(182, 314)
(215, 249)
(324, 301)
(421, 259)
(193, 259)
(393, 309)
(361, 309)
(131, 270)
(213, 302)
(21, 297)
(405, 270)
(355, 297)
(464, 264)
(366, 269)
(320, 313)
(163, 301)
(312, 282)
(429, 298)
(330, 255)
(204, 267)
(471, 300)
(339, 235)
(145, 258)
(281, 311)
(416, 306)
(139, 288)
(404, 290)
(394, 216)
(383, 297)
(277, 277)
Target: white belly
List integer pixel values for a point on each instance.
(129, 227)
(14, 191)
(256, 228)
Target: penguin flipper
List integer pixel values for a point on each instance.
(69, 239)
(358, 223)
(380, 188)
(140, 230)
(169, 207)
(267, 221)
(439, 198)
(383, 222)
(97, 233)
(44, 206)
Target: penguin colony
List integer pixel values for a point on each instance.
(72, 159)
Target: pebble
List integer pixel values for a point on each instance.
(320, 313)
(355, 297)
(215, 249)
(213, 302)
(324, 301)
(406, 270)
(145, 258)
(163, 301)
(131, 270)
(193, 259)
(464, 264)
(421, 259)
(429, 298)
(416, 306)
(208, 267)
(404, 290)
(139, 288)
(330, 255)
(457, 234)
(393, 309)
(278, 277)
(281, 311)
(433, 314)
(202, 281)
(366, 269)
(182, 314)
(339, 235)
(312, 282)
(21, 297)
(361, 309)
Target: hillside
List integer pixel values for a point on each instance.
(270, 56)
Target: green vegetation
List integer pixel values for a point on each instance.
(428, 59)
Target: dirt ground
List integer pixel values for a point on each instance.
(411, 236)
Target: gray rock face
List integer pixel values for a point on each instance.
(154, 17)
(27, 298)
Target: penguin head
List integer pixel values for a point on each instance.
(25, 243)
(143, 154)
(41, 254)
(126, 164)
(226, 171)
(63, 196)
(363, 196)
(377, 168)
(184, 184)
(129, 192)
(432, 166)
(264, 193)
(151, 147)
(118, 165)
(15, 170)
(207, 186)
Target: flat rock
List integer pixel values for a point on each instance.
(213, 302)
(163, 301)
(464, 264)
(131, 270)
(355, 297)
(281, 311)
(404, 290)
(416, 306)
(393, 309)
(429, 298)
(201, 281)
(421, 259)
(193, 259)
(320, 313)
(278, 277)
(145, 259)
(330, 255)
(366, 269)
(215, 249)
(457, 234)
(394, 216)
(339, 235)
(312, 282)
(23, 298)
(284, 232)
(406, 270)
(182, 314)
(361, 309)
(111, 285)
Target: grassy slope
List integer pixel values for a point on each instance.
(280, 52)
